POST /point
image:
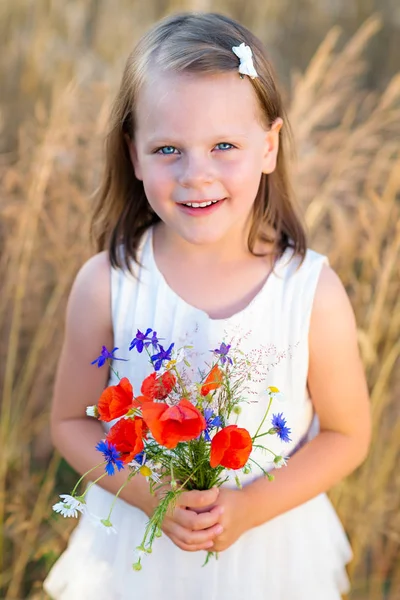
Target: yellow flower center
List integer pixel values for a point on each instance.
(170, 364)
(273, 389)
(145, 471)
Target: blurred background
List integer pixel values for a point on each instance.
(60, 62)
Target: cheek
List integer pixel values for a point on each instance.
(243, 177)
(156, 181)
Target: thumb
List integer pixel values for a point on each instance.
(199, 498)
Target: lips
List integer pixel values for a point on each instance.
(200, 203)
(200, 207)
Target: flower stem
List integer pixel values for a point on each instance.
(84, 475)
(264, 448)
(114, 371)
(149, 355)
(271, 431)
(132, 474)
(259, 466)
(262, 422)
(208, 556)
(180, 380)
(93, 483)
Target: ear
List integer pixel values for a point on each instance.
(271, 146)
(134, 157)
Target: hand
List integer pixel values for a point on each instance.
(188, 526)
(234, 519)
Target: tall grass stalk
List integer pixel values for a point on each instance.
(348, 181)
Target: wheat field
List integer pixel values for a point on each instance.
(59, 66)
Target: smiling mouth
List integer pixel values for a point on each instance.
(201, 204)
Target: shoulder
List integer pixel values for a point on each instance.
(300, 279)
(98, 266)
(331, 301)
(93, 278)
(318, 299)
(90, 294)
(333, 329)
(299, 268)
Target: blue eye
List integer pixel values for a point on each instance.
(166, 150)
(224, 146)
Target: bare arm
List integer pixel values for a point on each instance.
(339, 393)
(79, 384)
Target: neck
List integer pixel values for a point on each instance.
(228, 249)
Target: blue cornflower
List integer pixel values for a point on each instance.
(105, 355)
(223, 353)
(211, 421)
(111, 455)
(279, 424)
(158, 359)
(141, 340)
(140, 458)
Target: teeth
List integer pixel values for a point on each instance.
(200, 204)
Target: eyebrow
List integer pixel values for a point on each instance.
(160, 139)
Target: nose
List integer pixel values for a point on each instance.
(195, 171)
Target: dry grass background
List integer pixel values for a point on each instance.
(59, 65)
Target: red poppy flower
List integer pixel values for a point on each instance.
(138, 401)
(127, 436)
(213, 381)
(158, 387)
(173, 424)
(231, 447)
(115, 401)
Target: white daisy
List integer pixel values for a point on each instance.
(139, 553)
(180, 356)
(69, 507)
(92, 411)
(149, 473)
(147, 468)
(275, 393)
(107, 526)
(103, 524)
(279, 462)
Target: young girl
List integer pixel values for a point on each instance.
(199, 240)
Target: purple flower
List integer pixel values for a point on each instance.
(155, 341)
(222, 351)
(105, 355)
(279, 424)
(111, 456)
(212, 421)
(158, 359)
(142, 340)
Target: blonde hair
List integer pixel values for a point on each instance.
(195, 43)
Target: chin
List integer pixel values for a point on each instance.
(203, 236)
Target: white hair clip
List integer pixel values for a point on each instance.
(245, 56)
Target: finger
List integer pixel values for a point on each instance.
(188, 548)
(198, 498)
(218, 546)
(196, 522)
(193, 538)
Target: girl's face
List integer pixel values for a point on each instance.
(200, 140)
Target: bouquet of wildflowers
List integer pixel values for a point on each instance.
(177, 433)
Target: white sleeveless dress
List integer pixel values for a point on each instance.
(299, 555)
